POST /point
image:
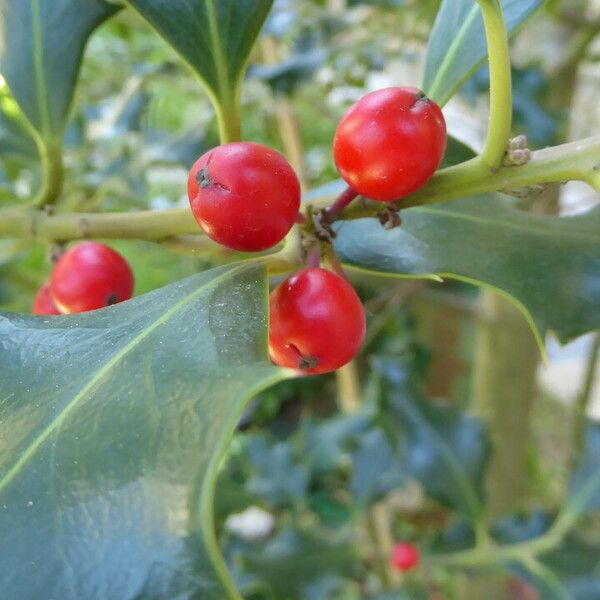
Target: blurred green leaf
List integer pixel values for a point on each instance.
(278, 478)
(584, 491)
(442, 447)
(42, 43)
(457, 44)
(112, 426)
(376, 468)
(213, 37)
(548, 266)
(295, 561)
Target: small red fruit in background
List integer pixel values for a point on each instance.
(405, 557)
(90, 276)
(317, 322)
(43, 303)
(390, 143)
(245, 196)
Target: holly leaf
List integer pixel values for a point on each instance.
(42, 44)
(457, 45)
(112, 426)
(278, 477)
(548, 266)
(213, 37)
(444, 448)
(296, 560)
(584, 489)
(376, 468)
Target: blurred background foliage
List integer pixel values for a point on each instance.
(316, 487)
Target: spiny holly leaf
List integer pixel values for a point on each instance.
(457, 43)
(584, 492)
(376, 470)
(112, 426)
(445, 449)
(549, 266)
(42, 43)
(214, 37)
(294, 561)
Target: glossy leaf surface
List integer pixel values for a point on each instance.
(112, 425)
(41, 45)
(549, 266)
(457, 43)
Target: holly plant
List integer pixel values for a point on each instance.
(119, 405)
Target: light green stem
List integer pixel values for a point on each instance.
(573, 161)
(229, 118)
(53, 173)
(500, 84)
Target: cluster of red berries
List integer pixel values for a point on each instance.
(86, 277)
(246, 197)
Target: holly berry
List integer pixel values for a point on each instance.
(317, 322)
(405, 557)
(244, 196)
(43, 303)
(90, 276)
(390, 143)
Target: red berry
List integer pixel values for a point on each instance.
(390, 143)
(405, 557)
(244, 196)
(43, 303)
(317, 322)
(90, 276)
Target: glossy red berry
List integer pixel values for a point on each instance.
(405, 557)
(90, 276)
(390, 143)
(43, 303)
(244, 196)
(317, 322)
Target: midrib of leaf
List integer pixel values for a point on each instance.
(577, 236)
(38, 62)
(101, 373)
(450, 55)
(219, 55)
(448, 457)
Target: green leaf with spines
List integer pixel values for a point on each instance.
(444, 448)
(457, 45)
(548, 266)
(43, 42)
(112, 426)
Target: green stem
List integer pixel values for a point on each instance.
(229, 118)
(500, 84)
(576, 160)
(567, 162)
(53, 174)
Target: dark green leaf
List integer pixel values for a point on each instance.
(278, 478)
(584, 493)
(445, 449)
(42, 43)
(214, 37)
(376, 468)
(294, 561)
(550, 267)
(323, 445)
(112, 426)
(457, 43)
